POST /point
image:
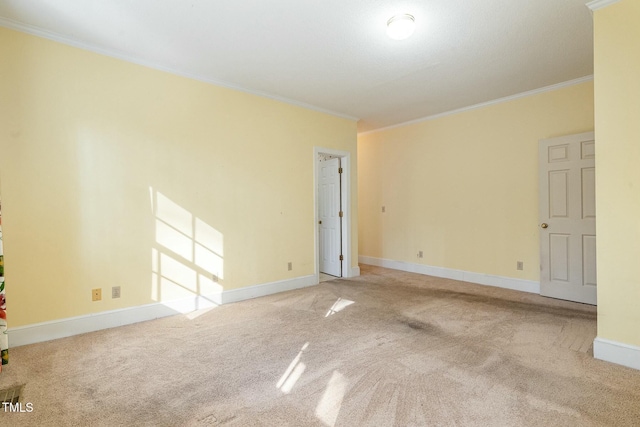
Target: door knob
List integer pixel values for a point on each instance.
(544, 225)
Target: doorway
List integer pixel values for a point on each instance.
(332, 185)
(329, 215)
(568, 218)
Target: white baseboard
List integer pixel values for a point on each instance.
(530, 286)
(616, 352)
(46, 331)
(235, 295)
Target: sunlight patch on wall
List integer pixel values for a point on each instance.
(339, 305)
(208, 261)
(173, 240)
(329, 406)
(179, 273)
(293, 373)
(174, 215)
(187, 261)
(172, 291)
(209, 237)
(208, 286)
(209, 248)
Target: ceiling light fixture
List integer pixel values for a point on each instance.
(401, 27)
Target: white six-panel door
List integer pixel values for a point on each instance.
(329, 217)
(568, 218)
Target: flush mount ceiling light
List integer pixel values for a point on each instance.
(401, 27)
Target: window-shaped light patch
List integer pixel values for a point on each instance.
(293, 373)
(208, 287)
(209, 249)
(209, 261)
(187, 262)
(174, 215)
(339, 305)
(329, 406)
(178, 273)
(209, 237)
(174, 240)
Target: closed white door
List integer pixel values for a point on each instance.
(329, 217)
(568, 218)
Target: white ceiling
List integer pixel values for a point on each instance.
(334, 55)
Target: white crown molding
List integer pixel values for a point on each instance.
(449, 273)
(616, 352)
(62, 328)
(35, 31)
(484, 104)
(599, 4)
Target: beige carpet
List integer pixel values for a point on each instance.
(387, 348)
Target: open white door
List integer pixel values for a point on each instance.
(568, 218)
(329, 217)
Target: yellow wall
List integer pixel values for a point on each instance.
(100, 158)
(464, 188)
(617, 96)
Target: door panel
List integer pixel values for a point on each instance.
(328, 215)
(588, 149)
(559, 257)
(567, 218)
(558, 199)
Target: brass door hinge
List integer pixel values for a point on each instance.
(341, 258)
(340, 214)
(339, 170)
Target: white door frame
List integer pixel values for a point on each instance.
(345, 162)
